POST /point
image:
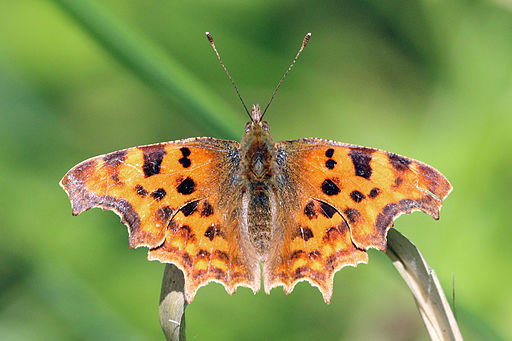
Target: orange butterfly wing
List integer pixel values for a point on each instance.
(348, 197)
(177, 199)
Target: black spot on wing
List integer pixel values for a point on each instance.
(185, 162)
(211, 232)
(329, 152)
(207, 209)
(361, 159)
(189, 208)
(329, 187)
(309, 210)
(186, 187)
(153, 156)
(185, 151)
(330, 163)
(398, 162)
(141, 191)
(374, 192)
(357, 196)
(305, 233)
(159, 194)
(327, 210)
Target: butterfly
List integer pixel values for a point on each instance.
(217, 209)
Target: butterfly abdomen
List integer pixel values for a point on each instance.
(257, 148)
(259, 217)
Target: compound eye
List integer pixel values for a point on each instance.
(265, 125)
(248, 126)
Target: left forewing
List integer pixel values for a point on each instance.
(147, 185)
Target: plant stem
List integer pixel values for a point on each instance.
(173, 304)
(425, 287)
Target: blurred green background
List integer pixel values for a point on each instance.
(428, 79)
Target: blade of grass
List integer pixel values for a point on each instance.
(155, 67)
(173, 304)
(425, 287)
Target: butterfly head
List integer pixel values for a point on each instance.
(256, 122)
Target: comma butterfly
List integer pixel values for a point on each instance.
(216, 209)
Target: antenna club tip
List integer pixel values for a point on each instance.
(306, 39)
(210, 38)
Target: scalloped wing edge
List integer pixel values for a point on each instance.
(326, 290)
(191, 290)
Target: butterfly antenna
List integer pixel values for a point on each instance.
(304, 42)
(210, 39)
